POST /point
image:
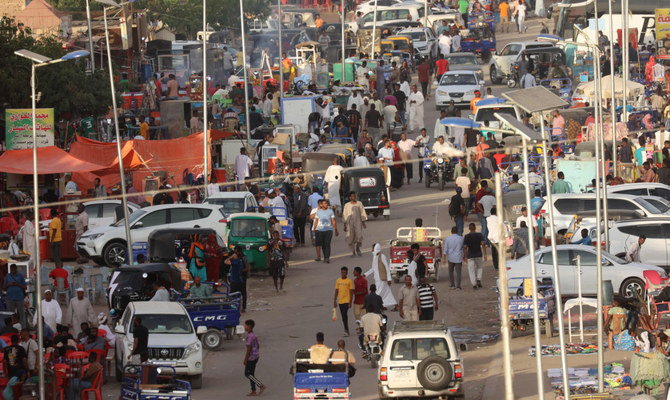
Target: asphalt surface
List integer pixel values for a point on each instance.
(289, 321)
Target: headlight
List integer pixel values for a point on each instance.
(470, 93)
(262, 248)
(440, 160)
(92, 236)
(191, 349)
(441, 92)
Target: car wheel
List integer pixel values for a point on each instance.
(196, 381)
(434, 373)
(114, 254)
(212, 339)
(632, 287)
(493, 74)
(117, 367)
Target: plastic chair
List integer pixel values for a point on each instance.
(62, 290)
(653, 283)
(61, 378)
(104, 272)
(77, 355)
(96, 388)
(45, 271)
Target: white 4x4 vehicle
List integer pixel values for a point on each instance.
(420, 360)
(501, 62)
(172, 339)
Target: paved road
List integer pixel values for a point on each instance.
(289, 321)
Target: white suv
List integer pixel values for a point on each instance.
(502, 62)
(420, 360)
(172, 339)
(107, 244)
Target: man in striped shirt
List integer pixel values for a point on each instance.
(428, 299)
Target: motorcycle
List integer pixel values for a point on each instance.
(372, 351)
(437, 169)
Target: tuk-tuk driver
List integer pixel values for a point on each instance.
(198, 290)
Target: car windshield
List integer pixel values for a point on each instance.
(249, 227)
(166, 324)
(648, 206)
(458, 79)
(415, 35)
(486, 114)
(461, 60)
(228, 206)
(132, 217)
(661, 204)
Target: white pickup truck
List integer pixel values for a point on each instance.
(172, 339)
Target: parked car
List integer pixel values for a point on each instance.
(172, 338)
(459, 86)
(642, 189)
(420, 358)
(423, 40)
(106, 245)
(464, 62)
(232, 202)
(391, 14)
(103, 212)
(367, 6)
(623, 234)
(567, 205)
(626, 277)
(502, 62)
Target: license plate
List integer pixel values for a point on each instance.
(456, 99)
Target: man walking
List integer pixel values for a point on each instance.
(251, 358)
(354, 218)
(474, 248)
(457, 210)
(55, 236)
(323, 226)
(428, 300)
(81, 226)
(79, 311)
(408, 302)
(415, 110)
(243, 166)
(406, 145)
(453, 253)
(382, 275)
(493, 236)
(50, 310)
(423, 70)
(633, 254)
(360, 291)
(344, 296)
(15, 286)
(300, 212)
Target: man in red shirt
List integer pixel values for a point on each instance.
(59, 272)
(441, 66)
(360, 291)
(424, 76)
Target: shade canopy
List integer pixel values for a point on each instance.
(633, 89)
(535, 99)
(490, 100)
(50, 160)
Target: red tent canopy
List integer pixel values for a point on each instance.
(50, 160)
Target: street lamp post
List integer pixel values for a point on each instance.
(205, 142)
(124, 200)
(38, 60)
(244, 69)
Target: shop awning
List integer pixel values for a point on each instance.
(50, 160)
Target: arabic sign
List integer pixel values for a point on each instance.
(19, 128)
(663, 33)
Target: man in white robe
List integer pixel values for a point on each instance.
(382, 274)
(29, 236)
(243, 166)
(415, 110)
(332, 179)
(80, 310)
(50, 310)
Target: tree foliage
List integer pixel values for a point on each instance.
(185, 16)
(64, 86)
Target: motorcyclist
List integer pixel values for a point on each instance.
(441, 148)
(370, 324)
